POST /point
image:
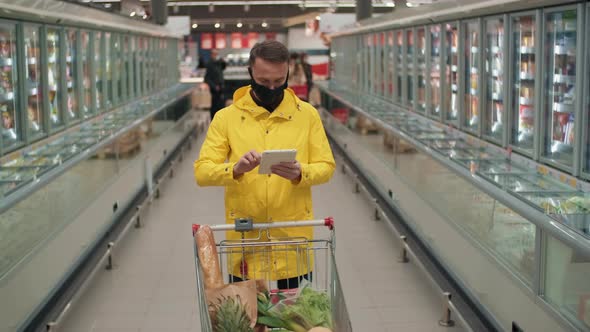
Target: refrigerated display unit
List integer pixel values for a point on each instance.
(506, 132)
(11, 124)
(561, 85)
(495, 94)
(434, 71)
(71, 63)
(471, 36)
(524, 73)
(420, 65)
(451, 85)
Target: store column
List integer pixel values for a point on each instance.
(364, 9)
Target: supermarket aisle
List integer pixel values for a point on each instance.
(153, 285)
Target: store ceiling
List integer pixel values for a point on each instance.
(277, 14)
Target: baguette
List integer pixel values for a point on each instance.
(207, 252)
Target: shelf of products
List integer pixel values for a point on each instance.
(421, 70)
(85, 52)
(11, 129)
(494, 41)
(471, 106)
(22, 175)
(435, 57)
(390, 65)
(410, 70)
(53, 76)
(560, 86)
(32, 74)
(71, 72)
(108, 74)
(452, 77)
(399, 47)
(524, 29)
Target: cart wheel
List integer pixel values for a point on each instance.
(357, 188)
(157, 195)
(377, 214)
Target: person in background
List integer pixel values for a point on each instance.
(297, 78)
(266, 115)
(214, 79)
(308, 72)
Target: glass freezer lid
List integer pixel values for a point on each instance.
(527, 183)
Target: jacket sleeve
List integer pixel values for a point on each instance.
(211, 169)
(321, 161)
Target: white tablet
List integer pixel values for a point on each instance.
(273, 157)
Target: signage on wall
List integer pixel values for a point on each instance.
(220, 40)
(311, 27)
(252, 39)
(206, 41)
(236, 40)
(271, 36)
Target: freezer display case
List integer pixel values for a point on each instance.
(471, 110)
(560, 86)
(35, 116)
(410, 69)
(108, 72)
(435, 71)
(421, 70)
(85, 58)
(524, 73)
(55, 94)
(99, 71)
(390, 69)
(127, 68)
(117, 69)
(381, 58)
(452, 72)
(11, 126)
(72, 74)
(399, 64)
(494, 64)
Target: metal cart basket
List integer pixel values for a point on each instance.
(316, 253)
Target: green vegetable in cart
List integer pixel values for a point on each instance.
(309, 310)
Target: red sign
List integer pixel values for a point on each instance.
(206, 41)
(252, 39)
(271, 35)
(220, 40)
(236, 40)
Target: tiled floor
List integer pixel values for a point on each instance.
(153, 285)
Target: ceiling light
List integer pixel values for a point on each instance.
(318, 17)
(217, 25)
(239, 25)
(195, 25)
(144, 16)
(410, 4)
(264, 24)
(107, 5)
(132, 14)
(390, 4)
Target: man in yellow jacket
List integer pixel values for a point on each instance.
(266, 115)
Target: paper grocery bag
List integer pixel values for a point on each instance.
(245, 290)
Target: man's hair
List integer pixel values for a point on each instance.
(269, 50)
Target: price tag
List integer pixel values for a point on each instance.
(543, 170)
(573, 183)
(562, 178)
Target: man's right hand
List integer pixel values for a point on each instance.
(247, 162)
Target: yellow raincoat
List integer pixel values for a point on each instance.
(244, 126)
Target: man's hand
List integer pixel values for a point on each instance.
(288, 170)
(248, 162)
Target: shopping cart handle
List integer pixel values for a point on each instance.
(328, 222)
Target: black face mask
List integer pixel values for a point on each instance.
(266, 95)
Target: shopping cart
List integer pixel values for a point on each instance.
(315, 253)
